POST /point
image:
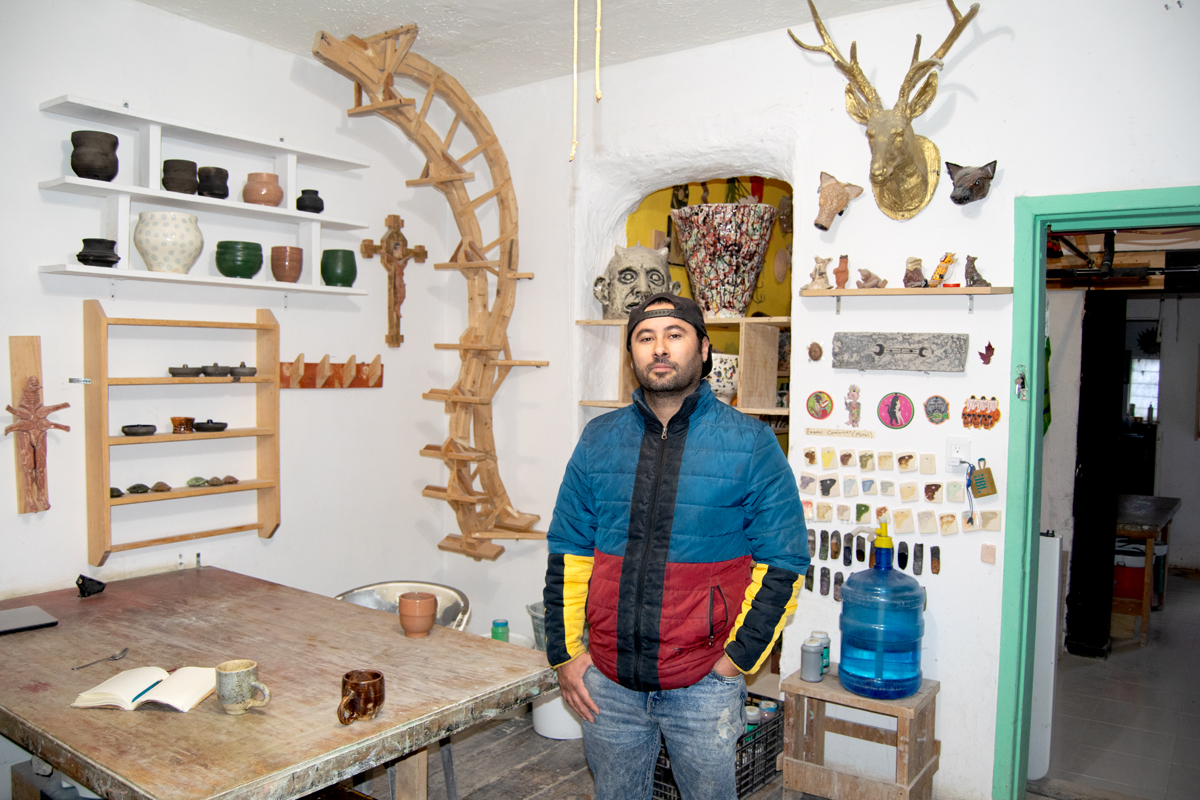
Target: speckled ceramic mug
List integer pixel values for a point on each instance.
(237, 685)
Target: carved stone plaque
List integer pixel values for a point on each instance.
(916, 352)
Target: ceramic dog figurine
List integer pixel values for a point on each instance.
(971, 274)
(834, 198)
(970, 183)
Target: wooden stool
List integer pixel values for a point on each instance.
(805, 725)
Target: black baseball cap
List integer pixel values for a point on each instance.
(682, 308)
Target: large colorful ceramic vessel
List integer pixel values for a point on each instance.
(724, 246)
(724, 377)
(169, 241)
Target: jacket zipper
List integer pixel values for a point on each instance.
(637, 623)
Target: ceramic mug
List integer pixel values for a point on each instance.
(182, 424)
(417, 612)
(362, 695)
(237, 685)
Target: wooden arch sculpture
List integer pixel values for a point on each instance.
(469, 452)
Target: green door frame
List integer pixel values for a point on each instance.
(1132, 209)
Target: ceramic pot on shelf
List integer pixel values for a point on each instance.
(338, 268)
(724, 377)
(179, 175)
(724, 245)
(169, 241)
(287, 263)
(214, 182)
(310, 201)
(95, 155)
(98, 253)
(262, 189)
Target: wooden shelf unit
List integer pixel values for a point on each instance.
(758, 362)
(117, 197)
(98, 437)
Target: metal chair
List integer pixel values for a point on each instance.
(454, 610)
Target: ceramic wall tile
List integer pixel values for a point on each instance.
(908, 492)
(807, 483)
(928, 464)
(824, 512)
(934, 492)
(885, 460)
(887, 487)
(970, 522)
(902, 520)
(862, 513)
(869, 485)
(882, 515)
(809, 512)
(850, 486)
(809, 456)
(846, 458)
(828, 458)
(845, 513)
(956, 492)
(866, 461)
(907, 462)
(990, 520)
(828, 485)
(927, 521)
(947, 524)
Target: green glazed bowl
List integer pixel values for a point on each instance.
(241, 265)
(239, 246)
(338, 267)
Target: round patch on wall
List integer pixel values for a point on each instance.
(895, 410)
(937, 410)
(819, 405)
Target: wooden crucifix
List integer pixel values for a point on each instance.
(395, 254)
(31, 427)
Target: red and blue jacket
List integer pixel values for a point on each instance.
(676, 544)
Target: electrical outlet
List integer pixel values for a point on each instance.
(958, 451)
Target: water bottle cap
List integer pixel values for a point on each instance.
(813, 642)
(820, 634)
(499, 623)
(883, 541)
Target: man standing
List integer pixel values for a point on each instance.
(678, 535)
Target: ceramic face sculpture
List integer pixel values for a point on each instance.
(633, 274)
(970, 183)
(834, 198)
(904, 166)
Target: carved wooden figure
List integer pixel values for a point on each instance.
(395, 254)
(31, 430)
(904, 166)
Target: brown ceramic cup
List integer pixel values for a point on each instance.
(287, 263)
(417, 612)
(182, 424)
(362, 695)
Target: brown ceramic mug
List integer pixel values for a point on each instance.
(417, 612)
(362, 695)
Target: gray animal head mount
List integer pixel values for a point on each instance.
(633, 274)
(904, 166)
(970, 183)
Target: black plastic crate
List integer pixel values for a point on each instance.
(755, 756)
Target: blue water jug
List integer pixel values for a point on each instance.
(882, 626)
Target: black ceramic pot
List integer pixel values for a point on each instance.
(179, 175)
(98, 253)
(214, 182)
(95, 155)
(309, 201)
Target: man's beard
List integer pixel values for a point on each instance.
(684, 377)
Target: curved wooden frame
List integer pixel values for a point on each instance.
(469, 451)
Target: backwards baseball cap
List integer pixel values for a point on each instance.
(681, 308)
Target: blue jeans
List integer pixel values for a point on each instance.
(700, 725)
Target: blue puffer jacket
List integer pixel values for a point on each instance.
(677, 544)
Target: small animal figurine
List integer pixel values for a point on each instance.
(833, 199)
(841, 272)
(942, 270)
(970, 183)
(853, 406)
(819, 279)
(870, 280)
(914, 277)
(971, 274)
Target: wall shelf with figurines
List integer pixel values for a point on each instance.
(914, 281)
(950, 290)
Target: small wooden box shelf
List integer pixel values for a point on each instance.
(758, 362)
(98, 439)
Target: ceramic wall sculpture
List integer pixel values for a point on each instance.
(724, 245)
(971, 274)
(970, 183)
(169, 241)
(904, 166)
(918, 352)
(833, 198)
(474, 488)
(30, 428)
(914, 277)
(819, 278)
(95, 155)
(724, 377)
(632, 275)
(870, 280)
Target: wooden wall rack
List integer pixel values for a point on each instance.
(301, 374)
(99, 438)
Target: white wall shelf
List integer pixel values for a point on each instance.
(114, 274)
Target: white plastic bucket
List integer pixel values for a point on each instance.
(554, 719)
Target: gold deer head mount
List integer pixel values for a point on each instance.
(904, 166)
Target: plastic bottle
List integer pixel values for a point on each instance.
(500, 629)
(810, 660)
(769, 709)
(753, 718)
(882, 626)
(826, 642)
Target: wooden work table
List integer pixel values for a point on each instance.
(1149, 519)
(303, 643)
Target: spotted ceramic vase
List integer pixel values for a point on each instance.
(724, 377)
(724, 246)
(169, 241)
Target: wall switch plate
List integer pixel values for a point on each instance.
(958, 451)
(987, 554)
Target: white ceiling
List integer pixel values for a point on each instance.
(489, 45)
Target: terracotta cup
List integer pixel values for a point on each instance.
(287, 263)
(182, 424)
(417, 612)
(237, 685)
(362, 695)
(262, 188)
